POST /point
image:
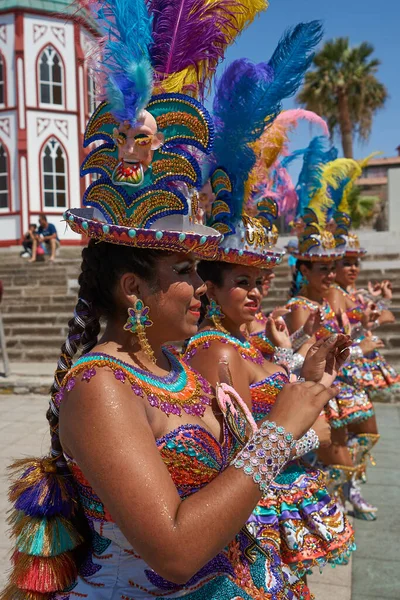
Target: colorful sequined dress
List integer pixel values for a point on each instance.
(113, 570)
(352, 403)
(298, 512)
(372, 372)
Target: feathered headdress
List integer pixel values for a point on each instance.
(319, 178)
(247, 100)
(150, 55)
(340, 210)
(268, 178)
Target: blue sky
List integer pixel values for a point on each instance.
(361, 20)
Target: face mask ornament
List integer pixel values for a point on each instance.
(136, 147)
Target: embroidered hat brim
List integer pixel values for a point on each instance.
(186, 237)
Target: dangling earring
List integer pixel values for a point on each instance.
(137, 321)
(215, 314)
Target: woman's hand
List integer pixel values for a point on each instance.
(313, 323)
(375, 289)
(371, 343)
(324, 359)
(387, 291)
(277, 332)
(371, 314)
(298, 405)
(323, 431)
(280, 311)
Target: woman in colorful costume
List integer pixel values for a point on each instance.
(317, 252)
(298, 516)
(140, 463)
(271, 180)
(378, 377)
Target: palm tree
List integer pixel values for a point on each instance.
(361, 208)
(344, 90)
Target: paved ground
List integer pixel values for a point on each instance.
(373, 573)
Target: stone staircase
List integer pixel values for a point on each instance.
(39, 300)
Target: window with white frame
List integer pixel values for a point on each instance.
(4, 182)
(51, 77)
(54, 175)
(2, 81)
(91, 91)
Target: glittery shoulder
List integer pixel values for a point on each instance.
(204, 339)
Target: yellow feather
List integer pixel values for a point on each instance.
(187, 80)
(344, 203)
(331, 175)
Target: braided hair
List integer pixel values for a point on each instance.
(102, 266)
(297, 278)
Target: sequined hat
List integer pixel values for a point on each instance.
(319, 237)
(149, 132)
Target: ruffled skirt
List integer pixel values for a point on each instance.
(312, 528)
(349, 406)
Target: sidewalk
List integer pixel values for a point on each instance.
(373, 573)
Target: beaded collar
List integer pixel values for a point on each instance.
(205, 338)
(182, 389)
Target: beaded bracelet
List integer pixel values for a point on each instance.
(297, 362)
(355, 352)
(283, 356)
(265, 454)
(299, 338)
(306, 444)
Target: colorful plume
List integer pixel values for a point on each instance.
(190, 38)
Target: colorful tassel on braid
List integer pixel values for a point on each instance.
(14, 593)
(46, 523)
(42, 490)
(43, 575)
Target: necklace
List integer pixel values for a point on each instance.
(182, 389)
(205, 338)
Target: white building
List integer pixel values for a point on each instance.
(46, 96)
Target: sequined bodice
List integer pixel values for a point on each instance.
(330, 324)
(356, 313)
(264, 393)
(194, 457)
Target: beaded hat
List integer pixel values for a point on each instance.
(247, 100)
(153, 62)
(319, 238)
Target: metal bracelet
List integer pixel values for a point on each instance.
(306, 444)
(265, 454)
(299, 338)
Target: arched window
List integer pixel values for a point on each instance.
(51, 77)
(4, 182)
(54, 175)
(2, 81)
(91, 91)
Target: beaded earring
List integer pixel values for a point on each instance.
(137, 321)
(214, 313)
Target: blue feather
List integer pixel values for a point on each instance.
(291, 59)
(125, 61)
(309, 181)
(248, 98)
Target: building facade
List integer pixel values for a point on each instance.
(46, 96)
(381, 178)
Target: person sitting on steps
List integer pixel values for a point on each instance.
(27, 241)
(46, 238)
